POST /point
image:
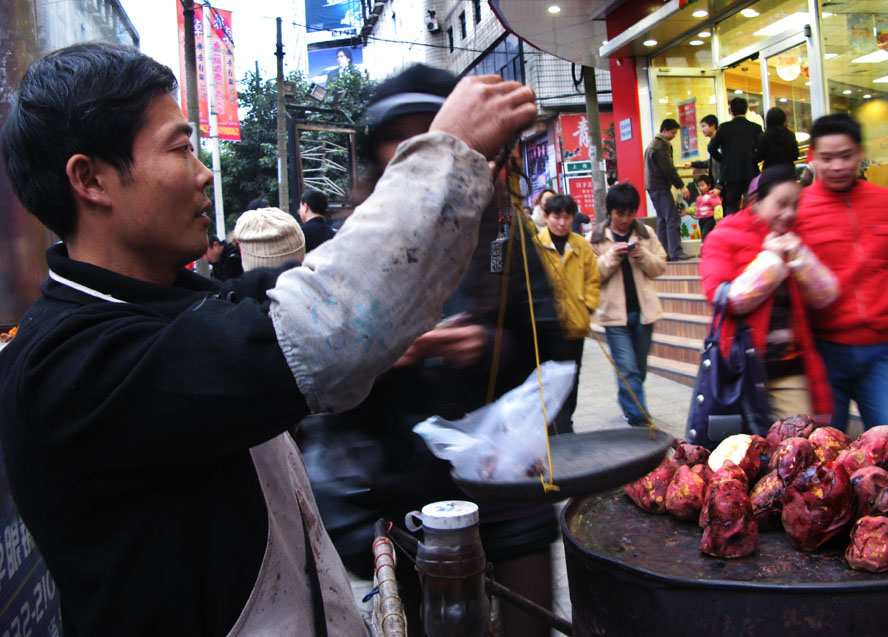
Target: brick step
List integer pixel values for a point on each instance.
(691, 267)
(686, 325)
(684, 373)
(677, 348)
(689, 304)
(683, 284)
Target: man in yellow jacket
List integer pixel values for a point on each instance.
(573, 270)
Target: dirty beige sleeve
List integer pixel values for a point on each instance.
(360, 299)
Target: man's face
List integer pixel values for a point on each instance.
(399, 130)
(303, 212)
(706, 129)
(342, 59)
(559, 222)
(837, 161)
(669, 134)
(160, 212)
(622, 220)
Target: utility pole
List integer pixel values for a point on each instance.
(191, 75)
(214, 143)
(595, 149)
(283, 181)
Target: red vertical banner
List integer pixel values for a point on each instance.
(202, 67)
(224, 80)
(687, 119)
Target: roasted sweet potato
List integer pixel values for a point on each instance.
(731, 529)
(767, 500)
(760, 444)
(791, 457)
(688, 454)
(791, 427)
(684, 497)
(868, 483)
(703, 471)
(868, 450)
(868, 550)
(828, 443)
(729, 471)
(740, 450)
(817, 505)
(649, 492)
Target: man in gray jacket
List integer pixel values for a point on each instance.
(659, 175)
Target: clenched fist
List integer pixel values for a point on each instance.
(485, 112)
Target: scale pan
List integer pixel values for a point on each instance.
(583, 463)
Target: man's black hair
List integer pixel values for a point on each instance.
(346, 52)
(739, 106)
(561, 203)
(622, 197)
(256, 204)
(316, 200)
(669, 124)
(773, 177)
(87, 98)
(835, 124)
(706, 179)
(775, 118)
(710, 120)
(214, 239)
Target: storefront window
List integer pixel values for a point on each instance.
(855, 37)
(686, 100)
(760, 21)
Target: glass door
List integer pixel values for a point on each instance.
(685, 95)
(787, 85)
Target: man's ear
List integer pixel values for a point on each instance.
(87, 180)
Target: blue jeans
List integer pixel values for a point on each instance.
(629, 347)
(668, 222)
(859, 373)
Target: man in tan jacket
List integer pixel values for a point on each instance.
(629, 258)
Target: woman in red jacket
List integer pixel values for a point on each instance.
(774, 278)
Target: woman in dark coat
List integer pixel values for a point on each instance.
(777, 145)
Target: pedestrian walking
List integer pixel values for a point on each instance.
(734, 145)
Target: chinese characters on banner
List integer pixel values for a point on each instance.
(223, 75)
(687, 119)
(218, 58)
(575, 140)
(583, 191)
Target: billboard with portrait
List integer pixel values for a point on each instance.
(327, 59)
(338, 18)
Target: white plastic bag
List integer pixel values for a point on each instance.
(506, 440)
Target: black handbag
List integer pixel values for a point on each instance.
(729, 394)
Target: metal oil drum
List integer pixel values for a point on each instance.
(634, 573)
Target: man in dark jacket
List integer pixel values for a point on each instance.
(734, 145)
(152, 518)
(659, 175)
(314, 224)
(709, 127)
(225, 259)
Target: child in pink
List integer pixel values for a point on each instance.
(706, 203)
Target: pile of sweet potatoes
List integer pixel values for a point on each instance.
(812, 481)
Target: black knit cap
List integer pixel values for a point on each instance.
(417, 89)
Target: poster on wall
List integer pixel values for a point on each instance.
(536, 163)
(583, 192)
(687, 119)
(326, 60)
(224, 80)
(203, 64)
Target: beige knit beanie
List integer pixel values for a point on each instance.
(268, 237)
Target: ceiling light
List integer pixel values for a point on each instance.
(807, 83)
(554, 9)
(802, 137)
(793, 22)
(829, 56)
(663, 100)
(749, 13)
(847, 91)
(704, 34)
(650, 43)
(872, 58)
(826, 14)
(783, 99)
(881, 80)
(701, 13)
(695, 42)
(604, 43)
(712, 99)
(737, 91)
(867, 96)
